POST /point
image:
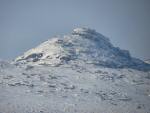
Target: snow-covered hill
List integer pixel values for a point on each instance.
(83, 44)
(79, 73)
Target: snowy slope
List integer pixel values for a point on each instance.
(78, 73)
(74, 89)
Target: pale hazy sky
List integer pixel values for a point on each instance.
(26, 23)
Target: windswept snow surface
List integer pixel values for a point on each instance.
(78, 73)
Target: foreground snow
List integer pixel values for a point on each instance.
(71, 89)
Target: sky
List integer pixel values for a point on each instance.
(24, 24)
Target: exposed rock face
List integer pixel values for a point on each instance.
(83, 44)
